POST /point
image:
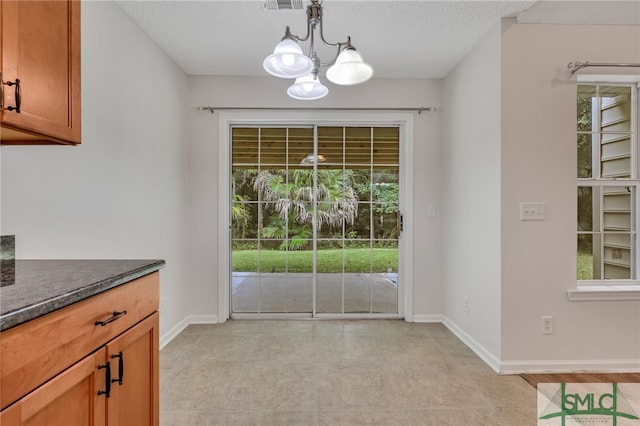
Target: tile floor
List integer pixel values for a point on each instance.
(351, 372)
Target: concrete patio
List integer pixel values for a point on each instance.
(293, 293)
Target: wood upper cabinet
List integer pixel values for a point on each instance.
(40, 66)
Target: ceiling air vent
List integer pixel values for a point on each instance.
(283, 4)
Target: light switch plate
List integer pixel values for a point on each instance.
(532, 211)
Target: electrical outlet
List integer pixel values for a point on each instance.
(467, 306)
(547, 325)
(532, 211)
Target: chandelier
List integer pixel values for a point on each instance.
(289, 61)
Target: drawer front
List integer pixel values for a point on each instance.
(36, 351)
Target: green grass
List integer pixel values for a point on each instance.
(585, 266)
(355, 260)
(329, 260)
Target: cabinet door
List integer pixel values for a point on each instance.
(41, 48)
(71, 398)
(134, 365)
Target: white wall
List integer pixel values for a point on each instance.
(539, 164)
(120, 194)
(471, 198)
(270, 92)
(509, 136)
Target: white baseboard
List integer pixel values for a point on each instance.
(482, 352)
(203, 319)
(428, 318)
(572, 366)
(542, 366)
(190, 319)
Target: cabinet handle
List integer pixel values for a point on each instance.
(1, 92)
(116, 315)
(120, 368)
(18, 95)
(107, 381)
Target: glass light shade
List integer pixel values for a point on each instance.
(310, 159)
(349, 69)
(287, 61)
(307, 88)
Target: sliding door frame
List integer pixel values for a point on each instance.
(227, 119)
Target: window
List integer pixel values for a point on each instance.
(608, 181)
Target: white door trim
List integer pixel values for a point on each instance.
(226, 119)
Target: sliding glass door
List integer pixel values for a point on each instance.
(315, 221)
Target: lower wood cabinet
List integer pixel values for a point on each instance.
(71, 398)
(134, 374)
(114, 385)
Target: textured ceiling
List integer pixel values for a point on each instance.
(400, 39)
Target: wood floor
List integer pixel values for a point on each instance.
(534, 379)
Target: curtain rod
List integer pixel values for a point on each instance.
(575, 65)
(212, 109)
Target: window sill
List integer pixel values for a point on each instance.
(604, 293)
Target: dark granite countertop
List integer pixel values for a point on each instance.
(43, 286)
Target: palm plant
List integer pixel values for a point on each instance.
(240, 214)
(336, 202)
